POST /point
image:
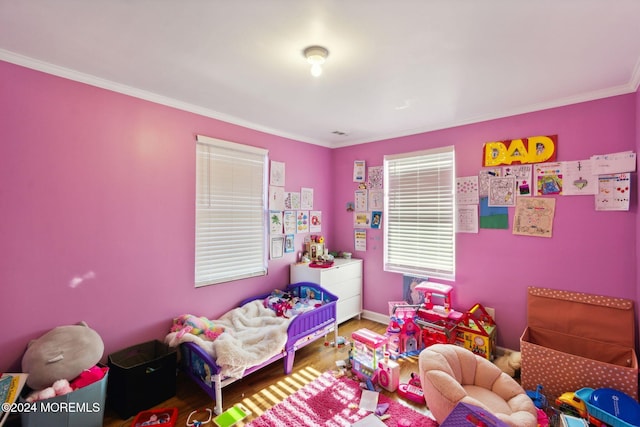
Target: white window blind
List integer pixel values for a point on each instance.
(230, 211)
(419, 232)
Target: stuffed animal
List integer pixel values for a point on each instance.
(88, 377)
(58, 388)
(62, 353)
(281, 302)
(510, 362)
(188, 323)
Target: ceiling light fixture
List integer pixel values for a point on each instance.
(316, 55)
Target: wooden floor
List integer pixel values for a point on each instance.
(264, 388)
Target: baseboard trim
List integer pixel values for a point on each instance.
(376, 317)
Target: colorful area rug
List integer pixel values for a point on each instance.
(330, 401)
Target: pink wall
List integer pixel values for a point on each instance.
(590, 251)
(637, 246)
(97, 182)
(94, 181)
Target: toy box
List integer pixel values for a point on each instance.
(141, 376)
(166, 417)
(83, 407)
(469, 415)
(575, 340)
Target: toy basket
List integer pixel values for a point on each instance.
(583, 335)
(166, 417)
(584, 394)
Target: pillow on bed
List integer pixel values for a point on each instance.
(310, 293)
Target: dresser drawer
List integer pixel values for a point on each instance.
(348, 308)
(345, 288)
(341, 273)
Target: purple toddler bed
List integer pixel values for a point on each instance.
(303, 329)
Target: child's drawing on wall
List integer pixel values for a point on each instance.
(376, 219)
(502, 191)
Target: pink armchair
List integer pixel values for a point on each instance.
(452, 374)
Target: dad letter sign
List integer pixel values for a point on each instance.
(535, 149)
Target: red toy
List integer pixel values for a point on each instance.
(166, 417)
(412, 390)
(437, 332)
(437, 292)
(439, 322)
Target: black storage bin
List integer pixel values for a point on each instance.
(140, 377)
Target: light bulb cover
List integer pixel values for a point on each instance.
(316, 54)
(316, 70)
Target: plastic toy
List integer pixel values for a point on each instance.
(439, 322)
(412, 390)
(403, 334)
(437, 292)
(165, 417)
(368, 349)
(538, 398)
(437, 332)
(197, 413)
(340, 342)
(543, 418)
(610, 406)
(393, 333)
(571, 421)
(232, 415)
(477, 332)
(467, 415)
(388, 373)
(410, 338)
(571, 404)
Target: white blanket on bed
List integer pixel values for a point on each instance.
(253, 334)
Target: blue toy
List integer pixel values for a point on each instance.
(538, 398)
(610, 406)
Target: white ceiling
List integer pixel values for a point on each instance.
(395, 67)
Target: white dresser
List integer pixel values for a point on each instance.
(343, 279)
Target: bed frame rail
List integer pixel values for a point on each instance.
(303, 329)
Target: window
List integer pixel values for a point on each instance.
(230, 211)
(419, 207)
